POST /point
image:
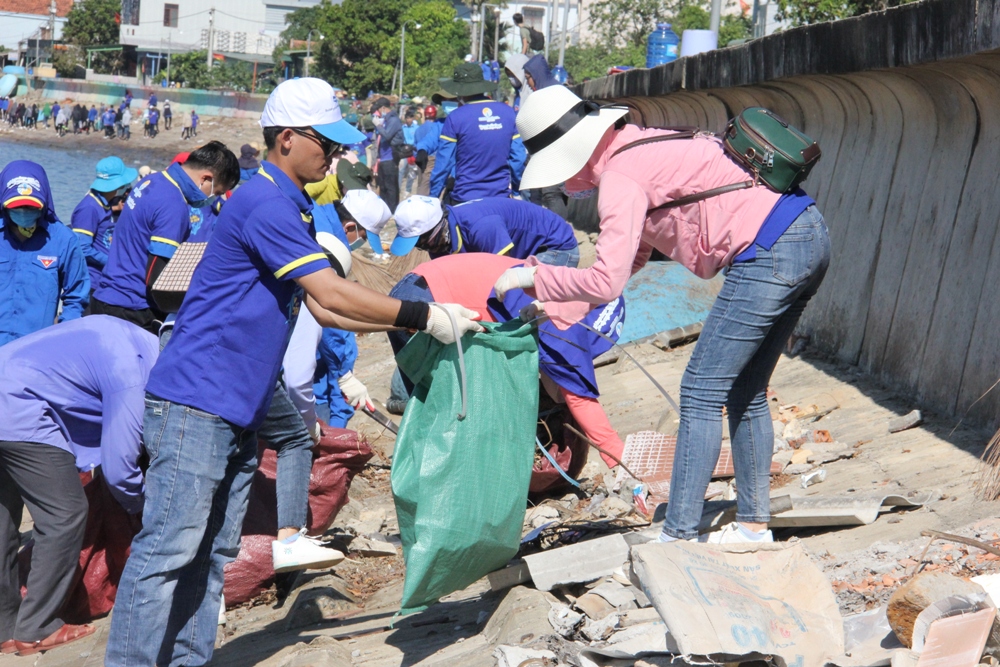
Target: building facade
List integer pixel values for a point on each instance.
(22, 21)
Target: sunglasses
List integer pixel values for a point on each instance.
(330, 148)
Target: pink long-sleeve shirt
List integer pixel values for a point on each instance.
(704, 236)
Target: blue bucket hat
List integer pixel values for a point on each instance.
(113, 174)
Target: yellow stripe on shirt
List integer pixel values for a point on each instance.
(506, 250)
(83, 231)
(160, 239)
(291, 266)
(449, 139)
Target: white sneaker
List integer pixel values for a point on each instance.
(303, 553)
(222, 611)
(735, 533)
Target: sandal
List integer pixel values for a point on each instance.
(64, 635)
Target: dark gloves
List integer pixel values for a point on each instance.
(422, 159)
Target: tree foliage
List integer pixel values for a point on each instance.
(360, 49)
(92, 23)
(620, 23)
(191, 69)
(803, 12)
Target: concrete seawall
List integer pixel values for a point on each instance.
(906, 107)
(205, 102)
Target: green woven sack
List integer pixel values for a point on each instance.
(769, 147)
(461, 485)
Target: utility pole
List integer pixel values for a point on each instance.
(474, 29)
(551, 16)
(170, 37)
(496, 34)
(52, 30)
(716, 19)
(211, 35)
(482, 31)
(565, 34)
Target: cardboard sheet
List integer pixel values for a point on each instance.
(741, 602)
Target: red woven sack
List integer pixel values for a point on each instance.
(107, 540)
(338, 457)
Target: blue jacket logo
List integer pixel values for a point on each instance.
(46, 261)
(488, 121)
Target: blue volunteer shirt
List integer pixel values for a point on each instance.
(505, 226)
(479, 140)
(568, 356)
(155, 221)
(428, 136)
(233, 327)
(79, 386)
(39, 271)
(94, 224)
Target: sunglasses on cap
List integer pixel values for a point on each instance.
(330, 148)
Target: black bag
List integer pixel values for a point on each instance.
(536, 39)
(402, 151)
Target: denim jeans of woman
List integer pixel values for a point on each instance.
(755, 313)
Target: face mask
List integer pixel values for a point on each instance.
(26, 219)
(208, 200)
(578, 194)
(514, 82)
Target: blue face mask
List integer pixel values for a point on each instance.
(26, 219)
(209, 200)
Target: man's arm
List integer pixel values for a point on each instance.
(516, 160)
(347, 299)
(121, 445)
(443, 165)
(332, 320)
(75, 282)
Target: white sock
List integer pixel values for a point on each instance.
(751, 535)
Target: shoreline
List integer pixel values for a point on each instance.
(157, 152)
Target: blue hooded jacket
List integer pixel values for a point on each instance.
(37, 272)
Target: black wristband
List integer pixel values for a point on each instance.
(412, 315)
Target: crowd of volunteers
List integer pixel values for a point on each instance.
(182, 314)
(109, 121)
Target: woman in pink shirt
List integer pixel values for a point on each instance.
(774, 249)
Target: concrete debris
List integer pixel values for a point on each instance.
(622, 598)
(577, 563)
(540, 515)
(509, 576)
(798, 468)
(918, 594)
(594, 606)
(521, 617)
(907, 421)
(564, 620)
(780, 444)
(374, 545)
(801, 456)
(515, 656)
(596, 631)
(370, 521)
(646, 640)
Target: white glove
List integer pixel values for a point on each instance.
(532, 311)
(439, 324)
(354, 391)
(316, 433)
(521, 277)
(378, 121)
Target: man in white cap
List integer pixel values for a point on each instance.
(213, 382)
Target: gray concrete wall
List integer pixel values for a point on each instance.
(906, 107)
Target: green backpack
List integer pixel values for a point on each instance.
(773, 151)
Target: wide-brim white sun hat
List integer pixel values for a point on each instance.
(338, 253)
(309, 102)
(560, 132)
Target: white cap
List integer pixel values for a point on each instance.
(414, 216)
(338, 253)
(371, 213)
(309, 102)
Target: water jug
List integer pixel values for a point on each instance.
(661, 46)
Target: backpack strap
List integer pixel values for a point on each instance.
(685, 133)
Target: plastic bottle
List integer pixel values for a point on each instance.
(661, 46)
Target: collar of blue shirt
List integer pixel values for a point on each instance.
(286, 187)
(192, 193)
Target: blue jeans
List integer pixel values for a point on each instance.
(570, 258)
(284, 431)
(749, 324)
(197, 485)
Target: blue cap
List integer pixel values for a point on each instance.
(341, 131)
(113, 174)
(402, 245)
